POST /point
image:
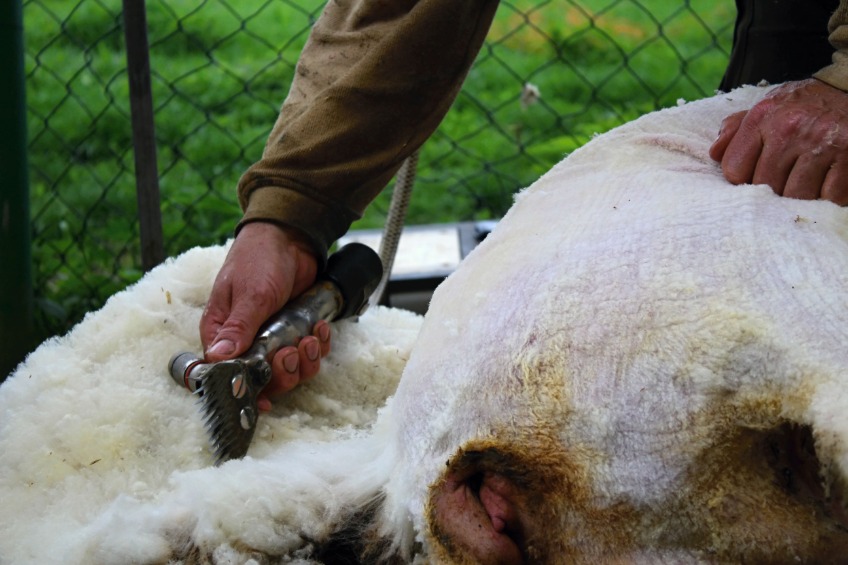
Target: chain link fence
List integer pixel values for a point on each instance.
(551, 74)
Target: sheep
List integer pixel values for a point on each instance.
(642, 363)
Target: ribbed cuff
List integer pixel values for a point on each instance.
(836, 75)
(291, 209)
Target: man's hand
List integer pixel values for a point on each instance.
(265, 267)
(795, 140)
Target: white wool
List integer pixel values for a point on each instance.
(93, 417)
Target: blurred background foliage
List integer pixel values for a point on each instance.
(551, 75)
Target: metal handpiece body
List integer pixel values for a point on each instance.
(228, 390)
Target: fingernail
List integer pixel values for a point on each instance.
(290, 362)
(263, 404)
(312, 350)
(223, 347)
(324, 333)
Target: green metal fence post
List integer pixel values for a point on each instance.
(17, 327)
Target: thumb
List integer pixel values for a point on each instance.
(236, 334)
(729, 127)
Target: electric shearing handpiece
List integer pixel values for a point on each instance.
(228, 390)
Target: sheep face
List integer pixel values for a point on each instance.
(636, 370)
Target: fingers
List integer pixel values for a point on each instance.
(806, 178)
(794, 140)
(322, 332)
(294, 365)
(835, 185)
(771, 166)
(729, 127)
(285, 368)
(742, 146)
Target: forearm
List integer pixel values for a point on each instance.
(373, 82)
(836, 74)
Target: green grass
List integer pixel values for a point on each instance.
(221, 69)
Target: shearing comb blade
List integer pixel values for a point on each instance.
(229, 409)
(228, 390)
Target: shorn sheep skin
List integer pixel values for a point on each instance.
(641, 364)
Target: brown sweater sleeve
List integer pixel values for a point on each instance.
(836, 74)
(373, 82)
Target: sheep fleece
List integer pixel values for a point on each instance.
(642, 363)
